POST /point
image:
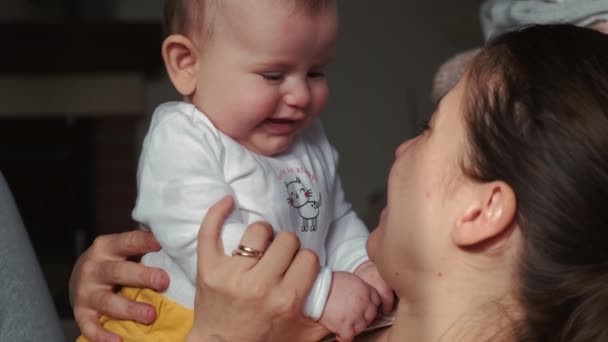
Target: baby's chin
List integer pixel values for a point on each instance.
(274, 147)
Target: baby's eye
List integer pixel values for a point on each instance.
(273, 76)
(316, 74)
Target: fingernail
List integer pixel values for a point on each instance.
(115, 338)
(161, 281)
(148, 315)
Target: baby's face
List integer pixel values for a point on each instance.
(261, 76)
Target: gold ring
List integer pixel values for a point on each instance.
(247, 252)
(248, 249)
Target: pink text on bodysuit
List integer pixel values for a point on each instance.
(296, 170)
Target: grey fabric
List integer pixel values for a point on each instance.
(450, 72)
(500, 16)
(27, 312)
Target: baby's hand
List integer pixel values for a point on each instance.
(369, 273)
(351, 306)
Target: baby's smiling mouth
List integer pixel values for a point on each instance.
(281, 126)
(281, 121)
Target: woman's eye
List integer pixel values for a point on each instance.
(424, 126)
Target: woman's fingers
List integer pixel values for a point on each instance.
(265, 300)
(124, 245)
(127, 273)
(92, 329)
(257, 237)
(119, 307)
(102, 267)
(210, 249)
(279, 255)
(86, 271)
(302, 274)
(295, 269)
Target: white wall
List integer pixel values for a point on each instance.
(386, 58)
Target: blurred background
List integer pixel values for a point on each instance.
(80, 78)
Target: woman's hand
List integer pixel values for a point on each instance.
(242, 298)
(102, 267)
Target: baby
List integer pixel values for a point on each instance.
(252, 73)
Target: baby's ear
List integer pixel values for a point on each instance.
(491, 212)
(181, 61)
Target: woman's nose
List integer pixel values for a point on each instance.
(404, 146)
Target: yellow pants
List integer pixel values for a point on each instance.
(173, 321)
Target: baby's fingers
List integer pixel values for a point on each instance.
(370, 314)
(375, 297)
(346, 337)
(388, 300)
(358, 327)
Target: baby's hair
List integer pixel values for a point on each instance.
(187, 16)
(181, 14)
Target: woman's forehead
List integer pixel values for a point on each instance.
(451, 102)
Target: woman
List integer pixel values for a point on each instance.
(495, 227)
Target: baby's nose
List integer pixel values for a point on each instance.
(299, 96)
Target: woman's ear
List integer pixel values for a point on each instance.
(490, 213)
(181, 61)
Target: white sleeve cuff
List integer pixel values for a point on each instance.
(349, 255)
(315, 303)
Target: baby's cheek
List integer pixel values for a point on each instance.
(258, 105)
(320, 99)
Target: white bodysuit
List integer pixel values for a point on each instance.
(187, 165)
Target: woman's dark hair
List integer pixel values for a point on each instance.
(537, 119)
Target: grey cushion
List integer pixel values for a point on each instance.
(500, 16)
(26, 309)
